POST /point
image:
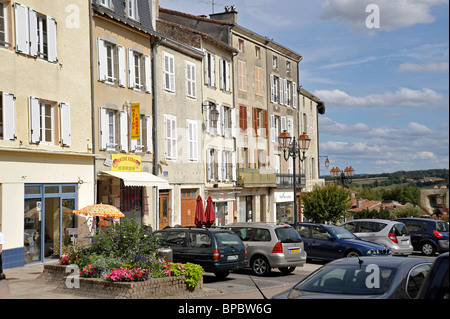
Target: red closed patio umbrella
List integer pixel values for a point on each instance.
(210, 215)
(200, 218)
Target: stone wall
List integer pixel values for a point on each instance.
(99, 288)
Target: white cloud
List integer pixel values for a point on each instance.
(429, 67)
(402, 97)
(394, 14)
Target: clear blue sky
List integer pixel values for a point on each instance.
(386, 88)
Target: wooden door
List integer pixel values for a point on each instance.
(163, 210)
(188, 204)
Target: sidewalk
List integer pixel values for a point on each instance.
(24, 283)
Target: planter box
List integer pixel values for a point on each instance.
(99, 288)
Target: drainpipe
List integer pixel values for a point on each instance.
(92, 96)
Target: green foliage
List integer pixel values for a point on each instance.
(193, 274)
(373, 214)
(326, 204)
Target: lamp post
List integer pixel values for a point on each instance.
(342, 176)
(294, 149)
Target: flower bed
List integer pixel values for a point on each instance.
(115, 289)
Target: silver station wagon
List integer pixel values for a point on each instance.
(270, 246)
(392, 234)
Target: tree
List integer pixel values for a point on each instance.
(326, 203)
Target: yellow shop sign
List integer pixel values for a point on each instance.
(135, 122)
(126, 163)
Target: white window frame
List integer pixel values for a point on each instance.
(44, 107)
(106, 3)
(210, 69)
(137, 146)
(107, 127)
(192, 130)
(225, 75)
(170, 133)
(4, 27)
(42, 37)
(7, 117)
(169, 72)
(131, 9)
(191, 83)
(110, 58)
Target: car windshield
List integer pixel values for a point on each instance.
(367, 279)
(341, 233)
(227, 239)
(442, 226)
(288, 235)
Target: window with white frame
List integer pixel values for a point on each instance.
(7, 116)
(107, 119)
(135, 71)
(275, 127)
(106, 3)
(137, 145)
(191, 90)
(43, 116)
(170, 122)
(192, 127)
(210, 69)
(169, 72)
(275, 62)
(274, 89)
(35, 33)
(131, 9)
(3, 24)
(225, 75)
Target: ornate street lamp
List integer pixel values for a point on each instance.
(342, 176)
(294, 149)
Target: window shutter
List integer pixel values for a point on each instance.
(207, 120)
(266, 123)
(219, 165)
(281, 100)
(32, 15)
(209, 164)
(22, 29)
(227, 76)
(255, 121)
(149, 135)
(35, 121)
(233, 122)
(52, 47)
(283, 124)
(122, 66)
(172, 73)
(174, 138)
(290, 128)
(233, 167)
(101, 57)
(193, 140)
(220, 122)
(123, 131)
(103, 125)
(213, 70)
(294, 95)
(207, 69)
(9, 119)
(221, 74)
(148, 74)
(286, 93)
(66, 136)
(272, 89)
(131, 69)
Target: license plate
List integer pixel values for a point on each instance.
(233, 257)
(294, 251)
(406, 241)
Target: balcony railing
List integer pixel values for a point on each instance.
(257, 177)
(287, 180)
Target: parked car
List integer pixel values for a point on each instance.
(427, 235)
(270, 246)
(364, 277)
(217, 250)
(330, 242)
(436, 285)
(392, 234)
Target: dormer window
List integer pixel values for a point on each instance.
(131, 9)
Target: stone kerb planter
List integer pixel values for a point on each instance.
(99, 288)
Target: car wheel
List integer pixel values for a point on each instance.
(260, 266)
(286, 270)
(222, 274)
(352, 253)
(427, 249)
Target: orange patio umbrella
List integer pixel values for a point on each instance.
(100, 210)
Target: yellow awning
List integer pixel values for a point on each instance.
(140, 179)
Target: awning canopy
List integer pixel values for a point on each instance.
(140, 179)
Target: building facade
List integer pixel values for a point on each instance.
(46, 147)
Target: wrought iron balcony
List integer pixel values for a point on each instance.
(251, 177)
(287, 180)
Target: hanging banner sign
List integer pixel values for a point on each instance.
(135, 122)
(126, 163)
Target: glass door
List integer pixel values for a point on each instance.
(32, 230)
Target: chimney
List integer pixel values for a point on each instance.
(230, 15)
(358, 203)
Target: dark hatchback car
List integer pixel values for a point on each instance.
(217, 250)
(436, 284)
(427, 235)
(330, 242)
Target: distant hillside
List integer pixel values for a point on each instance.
(420, 178)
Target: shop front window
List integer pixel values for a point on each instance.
(285, 212)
